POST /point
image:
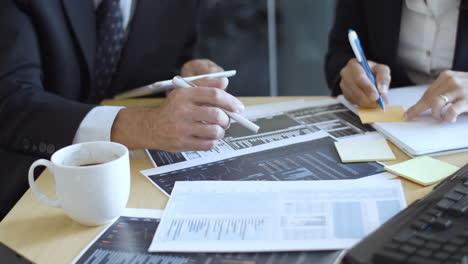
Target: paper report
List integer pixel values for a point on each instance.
(256, 216)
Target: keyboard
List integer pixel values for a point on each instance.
(432, 230)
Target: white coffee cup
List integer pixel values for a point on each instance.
(92, 181)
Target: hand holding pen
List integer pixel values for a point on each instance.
(181, 82)
(364, 85)
(186, 120)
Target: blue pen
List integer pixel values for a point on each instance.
(359, 53)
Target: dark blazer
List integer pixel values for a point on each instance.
(46, 72)
(378, 26)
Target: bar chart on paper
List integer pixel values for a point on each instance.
(302, 119)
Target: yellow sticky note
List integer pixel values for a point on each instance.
(362, 151)
(372, 115)
(423, 170)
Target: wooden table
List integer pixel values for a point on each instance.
(46, 235)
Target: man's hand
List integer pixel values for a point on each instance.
(186, 120)
(358, 89)
(204, 66)
(450, 87)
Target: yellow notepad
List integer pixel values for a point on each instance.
(423, 170)
(364, 150)
(373, 115)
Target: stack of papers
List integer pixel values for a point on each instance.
(283, 189)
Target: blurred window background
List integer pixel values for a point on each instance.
(277, 46)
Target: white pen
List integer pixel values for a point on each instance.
(162, 86)
(181, 82)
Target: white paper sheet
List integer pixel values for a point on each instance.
(274, 216)
(424, 135)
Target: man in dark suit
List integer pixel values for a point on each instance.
(59, 58)
(407, 42)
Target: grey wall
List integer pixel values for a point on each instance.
(302, 43)
(234, 33)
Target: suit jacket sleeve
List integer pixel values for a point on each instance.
(32, 119)
(350, 14)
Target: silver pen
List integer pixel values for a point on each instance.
(181, 82)
(163, 86)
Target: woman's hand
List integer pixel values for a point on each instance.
(358, 89)
(450, 87)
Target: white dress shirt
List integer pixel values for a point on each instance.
(97, 124)
(428, 35)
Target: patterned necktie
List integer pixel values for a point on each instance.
(110, 39)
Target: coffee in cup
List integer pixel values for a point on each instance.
(92, 181)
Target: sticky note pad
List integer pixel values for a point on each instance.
(423, 170)
(372, 115)
(362, 151)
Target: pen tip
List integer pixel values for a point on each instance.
(381, 103)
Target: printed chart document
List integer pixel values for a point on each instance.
(307, 157)
(128, 238)
(274, 216)
(423, 135)
(277, 122)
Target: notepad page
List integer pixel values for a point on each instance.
(423, 135)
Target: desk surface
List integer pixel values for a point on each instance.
(46, 235)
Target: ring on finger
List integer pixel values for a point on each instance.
(444, 98)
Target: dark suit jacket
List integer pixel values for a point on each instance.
(378, 26)
(46, 72)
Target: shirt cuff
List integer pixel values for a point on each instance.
(97, 124)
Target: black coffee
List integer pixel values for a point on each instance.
(90, 164)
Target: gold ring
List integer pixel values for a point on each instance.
(444, 98)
